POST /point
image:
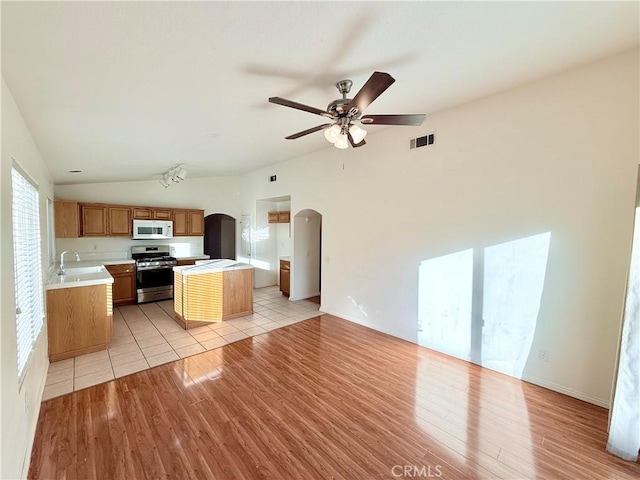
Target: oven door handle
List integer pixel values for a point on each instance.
(167, 267)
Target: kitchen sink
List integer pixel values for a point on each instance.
(83, 270)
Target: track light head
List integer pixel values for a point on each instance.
(175, 174)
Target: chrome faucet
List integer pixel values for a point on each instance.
(61, 271)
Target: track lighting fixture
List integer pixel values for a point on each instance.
(175, 174)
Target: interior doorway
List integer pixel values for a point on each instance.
(271, 239)
(307, 252)
(220, 236)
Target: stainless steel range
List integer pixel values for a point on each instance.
(154, 277)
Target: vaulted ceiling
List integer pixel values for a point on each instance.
(125, 90)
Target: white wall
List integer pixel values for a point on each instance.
(213, 195)
(559, 155)
(89, 247)
(265, 245)
(19, 405)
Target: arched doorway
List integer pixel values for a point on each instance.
(307, 252)
(220, 236)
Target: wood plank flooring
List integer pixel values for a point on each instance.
(321, 399)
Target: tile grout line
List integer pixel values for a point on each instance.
(272, 299)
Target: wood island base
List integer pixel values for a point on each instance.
(205, 295)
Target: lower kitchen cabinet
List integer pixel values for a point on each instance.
(182, 263)
(124, 283)
(285, 277)
(79, 320)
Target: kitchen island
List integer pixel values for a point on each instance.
(212, 291)
(79, 311)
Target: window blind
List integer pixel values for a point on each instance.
(27, 264)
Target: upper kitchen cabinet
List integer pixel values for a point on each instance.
(284, 217)
(149, 213)
(188, 223)
(66, 215)
(279, 217)
(196, 222)
(105, 220)
(93, 220)
(119, 221)
(180, 223)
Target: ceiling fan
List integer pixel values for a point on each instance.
(344, 112)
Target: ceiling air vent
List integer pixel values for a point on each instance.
(428, 139)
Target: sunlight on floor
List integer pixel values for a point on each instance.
(146, 335)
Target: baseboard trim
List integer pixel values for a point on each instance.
(304, 297)
(567, 391)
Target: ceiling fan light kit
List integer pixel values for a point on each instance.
(175, 174)
(344, 112)
(342, 142)
(357, 133)
(332, 133)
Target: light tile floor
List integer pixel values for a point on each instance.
(146, 335)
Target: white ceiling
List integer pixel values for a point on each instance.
(123, 91)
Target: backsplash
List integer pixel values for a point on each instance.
(120, 248)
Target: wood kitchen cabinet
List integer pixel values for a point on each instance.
(188, 223)
(67, 219)
(279, 217)
(73, 219)
(119, 223)
(183, 263)
(196, 222)
(93, 220)
(79, 320)
(180, 223)
(284, 217)
(150, 213)
(124, 283)
(285, 277)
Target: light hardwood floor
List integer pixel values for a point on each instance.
(321, 399)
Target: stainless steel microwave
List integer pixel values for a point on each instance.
(152, 229)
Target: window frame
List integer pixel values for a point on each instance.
(36, 321)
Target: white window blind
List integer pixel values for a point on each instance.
(27, 264)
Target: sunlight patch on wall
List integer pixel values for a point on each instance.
(482, 304)
(444, 306)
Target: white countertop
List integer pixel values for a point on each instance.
(286, 259)
(209, 266)
(96, 262)
(194, 257)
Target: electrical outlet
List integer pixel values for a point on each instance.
(543, 355)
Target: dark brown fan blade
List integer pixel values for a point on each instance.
(299, 106)
(355, 145)
(377, 83)
(413, 120)
(307, 132)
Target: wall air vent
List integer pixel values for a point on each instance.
(428, 139)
